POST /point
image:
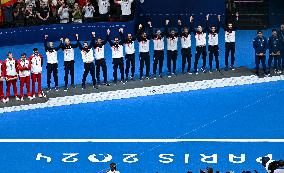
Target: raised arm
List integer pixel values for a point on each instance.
(167, 28)
(179, 28)
(192, 25)
(77, 43)
(206, 29)
(236, 22)
(219, 24)
(139, 32)
(45, 43)
(149, 36)
(122, 39)
(108, 38)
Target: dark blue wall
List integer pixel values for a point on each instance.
(159, 10)
(276, 11)
(35, 34)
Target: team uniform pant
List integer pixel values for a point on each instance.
(214, 51)
(36, 78)
(282, 58)
(186, 58)
(172, 56)
(130, 60)
(101, 63)
(9, 83)
(89, 68)
(23, 81)
(118, 63)
(144, 60)
(200, 50)
(158, 59)
(1, 90)
(230, 47)
(52, 68)
(277, 62)
(69, 68)
(261, 59)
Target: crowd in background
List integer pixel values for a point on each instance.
(44, 12)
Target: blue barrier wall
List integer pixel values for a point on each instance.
(158, 11)
(35, 34)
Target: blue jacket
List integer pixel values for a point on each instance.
(274, 44)
(281, 37)
(260, 45)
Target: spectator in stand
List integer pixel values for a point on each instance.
(19, 15)
(88, 11)
(104, 9)
(30, 3)
(63, 13)
(53, 11)
(70, 3)
(125, 9)
(30, 15)
(8, 16)
(43, 14)
(77, 14)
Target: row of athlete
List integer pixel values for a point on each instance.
(94, 52)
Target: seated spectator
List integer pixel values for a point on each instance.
(8, 16)
(30, 15)
(19, 15)
(125, 6)
(77, 14)
(88, 11)
(43, 14)
(63, 13)
(104, 9)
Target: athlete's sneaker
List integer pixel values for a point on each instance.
(73, 86)
(17, 98)
(232, 67)
(203, 69)
(131, 78)
(267, 75)
(65, 89)
(48, 89)
(83, 87)
(22, 99)
(106, 84)
(154, 76)
(56, 88)
(40, 95)
(29, 97)
(210, 70)
(95, 86)
(218, 70)
(6, 100)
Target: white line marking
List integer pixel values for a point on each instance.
(139, 140)
(146, 91)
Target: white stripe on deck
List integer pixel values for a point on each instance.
(145, 91)
(139, 140)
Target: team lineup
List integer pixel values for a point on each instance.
(93, 56)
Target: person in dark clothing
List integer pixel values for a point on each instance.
(144, 50)
(52, 62)
(159, 46)
(69, 62)
(129, 44)
(88, 60)
(274, 45)
(213, 44)
(172, 40)
(117, 56)
(260, 47)
(99, 48)
(186, 53)
(43, 14)
(19, 15)
(200, 37)
(230, 39)
(281, 37)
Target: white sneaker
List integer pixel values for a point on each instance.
(40, 95)
(34, 96)
(29, 97)
(6, 100)
(22, 99)
(3, 100)
(17, 98)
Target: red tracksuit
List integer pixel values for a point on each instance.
(36, 69)
(1, 82)
(10, 72)
(24, 67)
